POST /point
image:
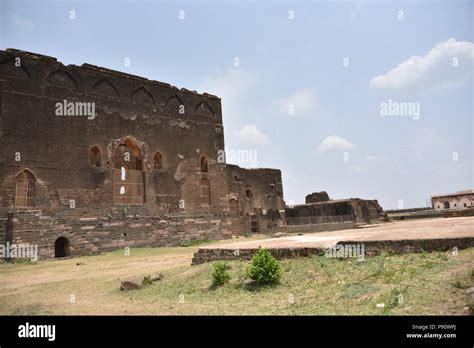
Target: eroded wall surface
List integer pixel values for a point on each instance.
(107, 159)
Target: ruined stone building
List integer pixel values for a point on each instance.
(320, 209)
(93, 159)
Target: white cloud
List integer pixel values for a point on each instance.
(434, 70)
(251, 134)
(23, 23)
(301, 101)
(333, 142)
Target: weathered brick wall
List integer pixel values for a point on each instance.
(361, 210)
(56, 149)
(265, 197)
(459, 213)
(89, 235)
(74, 198)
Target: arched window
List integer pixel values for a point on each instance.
(158, 161)
(95, 157)
(25, 189)
(249, 193)
(203, 163)
(446, 205)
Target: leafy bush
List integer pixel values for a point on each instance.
(220, 276)
(264, 268)
(458, 284)
(147, 281)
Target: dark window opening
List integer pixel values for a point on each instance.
(95, 157)
(446, 205)
(203, 164)
(249, 194)
(158, 161)
(254, 226)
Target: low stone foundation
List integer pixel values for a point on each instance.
(459, 213)
(94, 234)
(377, 247)
(371, 248)
(332, 226)
(206, 255)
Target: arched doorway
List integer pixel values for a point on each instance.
(446, 205)
(129, 184)
(62, 247)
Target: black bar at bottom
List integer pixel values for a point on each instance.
(214, 330)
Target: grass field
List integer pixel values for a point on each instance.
(431, 283)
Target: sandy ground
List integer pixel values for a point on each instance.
(415, 229)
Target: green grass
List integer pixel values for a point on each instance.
(406, 284)
(427, 283)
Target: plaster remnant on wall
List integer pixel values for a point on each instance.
(181, 124)
(180, 173)
(129, 115)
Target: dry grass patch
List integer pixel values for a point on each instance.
(432, 283)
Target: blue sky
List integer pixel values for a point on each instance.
(332, 63)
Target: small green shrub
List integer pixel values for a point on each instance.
(220, 276)
(443, 256)
(264, 268)
(147, 281)
(458, 284)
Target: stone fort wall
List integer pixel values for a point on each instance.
(172, 135)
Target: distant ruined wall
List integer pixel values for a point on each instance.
(360, 210)
(316, 197)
